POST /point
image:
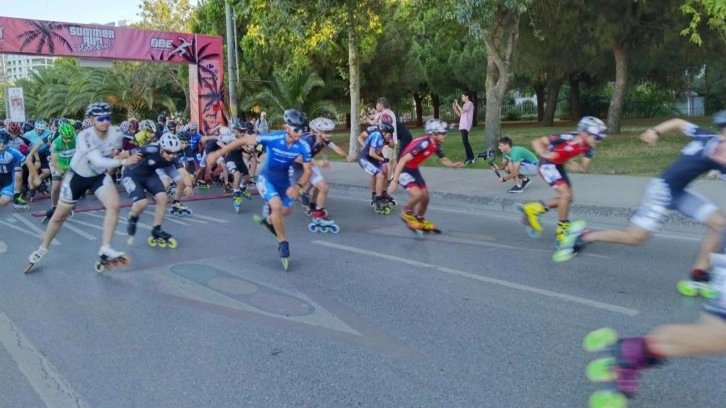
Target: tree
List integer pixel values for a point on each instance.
(712, 10)
(496, 22)
(165, 15)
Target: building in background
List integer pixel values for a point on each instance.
(14, 67)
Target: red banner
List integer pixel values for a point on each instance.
(38, 37)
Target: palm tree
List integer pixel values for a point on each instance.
(46, 31)
(295, 91)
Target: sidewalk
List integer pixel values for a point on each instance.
(595, 195)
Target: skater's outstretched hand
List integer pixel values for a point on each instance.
(133, 159)
(392, 187)
(293, 192)
(188, 191)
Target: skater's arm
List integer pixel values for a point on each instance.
(397, 172)
(448, 163)
(341, 153)
(540, 145)
(188, 183)
(246, 140)
(651, 135)
(582, 167)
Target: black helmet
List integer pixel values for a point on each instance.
(385, 127)
(294, 117)
(98, 109)
(183, 136)
(78, 125)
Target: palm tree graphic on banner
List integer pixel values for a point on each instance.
(45, 33)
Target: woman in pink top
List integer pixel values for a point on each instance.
(466, 118)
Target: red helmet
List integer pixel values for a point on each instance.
(14, 128)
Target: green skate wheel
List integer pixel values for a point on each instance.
(599, 339)
(98, 266)
(709, 292)
(563, 255)
(687, 288)
(608, 399)
(171, 243)
(285, 263)
(601, 370)
(151, 241)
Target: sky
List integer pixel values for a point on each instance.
(72, 11)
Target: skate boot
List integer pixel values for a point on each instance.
(716, 304)
(322, 223)
(698, 283)
(427, 226)
(572, 242)
(31, 194)
(131, 228)
(283, 248)
(245, 189)
(389, 199)
(530, 217)
(161, 238)
(561, 232)
(48, 215)
(179, 210)
(381, 206)
(305, 199)
(20, 205)
(110, 259)
(35, 257)
(624, 360)
(237, 201)
(266, 224)
(171, 191)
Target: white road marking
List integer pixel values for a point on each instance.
(30, 225)
(544, 292)
(88, 224)
(204, 217)
(79, 231)
(52, 389)
(3, 247)
(10, 224)
(122, 221)
(167, 218)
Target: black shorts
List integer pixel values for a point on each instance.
(44, 163)
(137, 186)
(237, 165)
(411, 178)
(74, 186)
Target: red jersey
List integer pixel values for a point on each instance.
(567, 147)
(421, 149)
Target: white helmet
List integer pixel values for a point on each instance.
(593, 126)
(148, 125)
(226, 135)
(322, 125)
(170, 142)
(436, 127)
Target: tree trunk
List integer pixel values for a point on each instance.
(615, 111)
(539, 92)
(493, 119)
(354, 74)
(417, 98)
(435, 100)
(475, 101)
(575, 103)
(553, 92)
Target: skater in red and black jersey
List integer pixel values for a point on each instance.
(408, 175)
(555, 151)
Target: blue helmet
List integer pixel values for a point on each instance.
(593, 126)
(4, 137)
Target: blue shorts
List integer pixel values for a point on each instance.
(8, 189)
(269, 190)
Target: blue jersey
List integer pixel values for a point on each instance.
(194, 141)
(696, 158)
(375, 140)
(280, 156)
(42, 138)
(10, 160)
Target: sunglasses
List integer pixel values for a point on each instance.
(105, 118)
(168, 152)
(296, 129)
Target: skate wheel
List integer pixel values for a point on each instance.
(171, 243)
(151, 241)
(532, 233)
(312, 227)
(28, 268)
(324, 230)
(563, 255)
(188, 213)
(161, 243)
(601, 370)
(709, 292)
(334, 229)
(687, 288)
(170, 212)
(387, 210)
(129, 240)
(99, 267)
(285, 263)
(599, 339)
(608, 399)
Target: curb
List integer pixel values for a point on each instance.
(617, 214)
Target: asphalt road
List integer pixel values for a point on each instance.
(371, 317)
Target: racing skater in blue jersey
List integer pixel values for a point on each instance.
(273, 182)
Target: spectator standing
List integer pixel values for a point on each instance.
(466, 119)
(261, 127)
